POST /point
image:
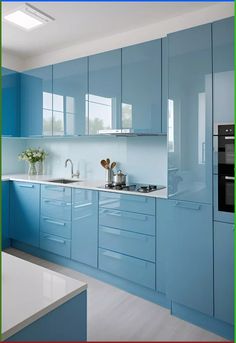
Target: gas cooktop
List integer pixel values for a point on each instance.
(134, 188)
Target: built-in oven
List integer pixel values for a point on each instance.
(226, 168)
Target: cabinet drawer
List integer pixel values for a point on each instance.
(56, 209)
(131, 203)
(56, 192)
(136, 222)
(55, 227)
(129, 243)
(130, 268)
(55, 244)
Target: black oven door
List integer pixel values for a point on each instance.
(226, 155)
(226, 193)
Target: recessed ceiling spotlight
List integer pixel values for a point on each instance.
(28, 17)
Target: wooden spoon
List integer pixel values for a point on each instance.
(108, 161)
(113, 165)
(104, 164)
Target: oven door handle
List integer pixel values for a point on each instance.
(229, 137)
(229, 178)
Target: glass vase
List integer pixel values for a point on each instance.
(40, 168)
(32, 169)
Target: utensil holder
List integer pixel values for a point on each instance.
(108, 176)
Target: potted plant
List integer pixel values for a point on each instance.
(33, 156)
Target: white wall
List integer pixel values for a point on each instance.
(10, 149)
(158, 30)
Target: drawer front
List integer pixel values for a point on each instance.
(131, 203)
(55, 227)
(130, 268)
(56, 192)
(129, 243)
(55, 244)
(130, 221)
(56, 209)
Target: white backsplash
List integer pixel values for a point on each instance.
(144, 159)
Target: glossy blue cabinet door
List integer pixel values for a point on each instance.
(190, 255)
(84, 244)
(10, 103)
(190, 115)
(36, 102)
(5, 215)
(104, 99)
(164, 85)
(224, 271)
(141, 87)
(70, 88)
(223, 71)
(24, 212)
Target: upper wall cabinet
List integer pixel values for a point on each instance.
(104, 98)
(70, 88)
(190, 115)
(141, 87)
(223, 72)
(10, 103)
(36, 102)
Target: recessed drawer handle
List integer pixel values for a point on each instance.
(56, 189)
(125, 234)
(111, 254)
(54, 222)
(188, 206)
(135, 216)
(83, 205)
(50, 238)
(56, 203)
(26, 186)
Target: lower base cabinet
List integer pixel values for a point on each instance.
(84, 242)
(224, 271)
(190, 255)
(5, 215)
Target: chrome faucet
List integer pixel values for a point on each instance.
(77, 174)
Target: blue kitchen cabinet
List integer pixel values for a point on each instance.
(190, 115)
(70, 88)
(5, 215)
(84, 244)
(36, 102)
(224, 271)
(164, 85)
(189, 264)
(141, 87)
(24, 212)
(104, 98)
(223, 71)
(10, 103)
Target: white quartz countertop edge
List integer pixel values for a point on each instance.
(43, 311)
(92, 185)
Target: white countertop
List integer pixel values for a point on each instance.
(30, 291)
(93, 185)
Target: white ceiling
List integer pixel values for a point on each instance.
(81, 22)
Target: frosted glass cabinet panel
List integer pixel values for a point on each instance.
(70, 86)
(223, 71)
(190, 115)
(36, 102)
(141, 87)
(104, 98)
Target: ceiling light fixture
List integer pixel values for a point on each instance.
(28, 17)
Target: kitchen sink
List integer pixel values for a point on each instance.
(64, 181)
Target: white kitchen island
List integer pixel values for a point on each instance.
(41, 305)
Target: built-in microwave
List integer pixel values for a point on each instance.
(226, 168)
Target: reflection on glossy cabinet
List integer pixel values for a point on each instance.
(224, 271)
(190, 114)
(84, 244)
(24, 212)
(36, 102)
(190, 255)
(10, 103)
(141, 87)
(5, 215)
(223, 71)
(104, 98)
(70, 88)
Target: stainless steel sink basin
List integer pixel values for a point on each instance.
(64, 181)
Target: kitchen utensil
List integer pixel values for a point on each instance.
(108, 161)
(108, 176)
(104, 164)
(119, 178)
(113, 165)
